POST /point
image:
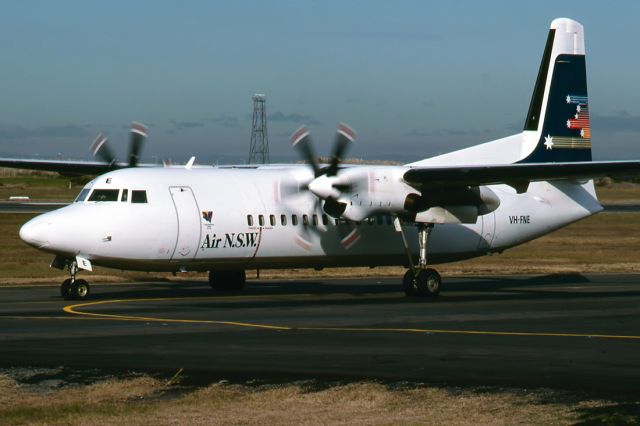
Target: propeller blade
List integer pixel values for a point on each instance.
(138, 135)
(349, 234)
(344, 138)
(301, 140)
(101, 147)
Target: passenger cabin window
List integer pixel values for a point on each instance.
(294, 220)
(261, 220)
(325, 220)
(272, 220)
(283, 220)
(104, 195)
(82, 195)
(305, 220)
(138, 196)
(125, 195)
(315, 220)
(249, 220)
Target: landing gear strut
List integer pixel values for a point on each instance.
(227, 280)
(72, 288)
(419, 280)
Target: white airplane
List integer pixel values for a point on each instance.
(468, 203)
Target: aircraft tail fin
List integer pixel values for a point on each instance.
(557, 127)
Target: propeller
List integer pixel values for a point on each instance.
(101, 148)
(325, 184)
(138, 135)
(301, 140)
(344, 138)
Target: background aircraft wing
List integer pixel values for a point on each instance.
(517, 175)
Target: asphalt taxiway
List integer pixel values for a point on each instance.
(565, 331)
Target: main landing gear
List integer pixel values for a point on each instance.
(72, 288)
(420, 281)
(227, 280)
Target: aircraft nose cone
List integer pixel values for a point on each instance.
(34, 233)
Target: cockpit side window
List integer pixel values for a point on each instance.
(138, 196)
(82, 195)
(104, 195)
(125, 195)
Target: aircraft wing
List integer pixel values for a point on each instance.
(100, 148)
(516, 175)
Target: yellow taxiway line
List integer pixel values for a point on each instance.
(74, 309)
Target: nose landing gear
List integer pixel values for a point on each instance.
(72, 288)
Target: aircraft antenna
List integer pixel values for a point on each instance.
(259, 146)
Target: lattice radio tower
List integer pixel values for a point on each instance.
(259, 147)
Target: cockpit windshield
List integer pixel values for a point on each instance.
(89, 194)
(82, 195)
(104, 195)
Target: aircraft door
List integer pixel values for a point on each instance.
(188, 216)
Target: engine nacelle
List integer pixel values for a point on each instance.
(374, 190)
(358, 192)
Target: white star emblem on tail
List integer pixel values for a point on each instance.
(548, 142)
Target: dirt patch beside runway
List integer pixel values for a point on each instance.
(147, 400)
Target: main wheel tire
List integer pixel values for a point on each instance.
(227, 280)
(409, 284)
(65, 289)
(80, 290)
(429, 283)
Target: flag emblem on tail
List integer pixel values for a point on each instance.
(579, 122)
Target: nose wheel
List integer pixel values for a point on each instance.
(72, 288)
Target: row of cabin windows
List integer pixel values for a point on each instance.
(105, 195)
(314, 220)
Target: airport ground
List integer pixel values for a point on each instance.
(558, 349)
(557, 345)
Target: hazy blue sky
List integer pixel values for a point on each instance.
(414, 78)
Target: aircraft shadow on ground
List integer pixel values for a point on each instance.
(455, 290)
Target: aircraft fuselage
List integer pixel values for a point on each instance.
(235, 218)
